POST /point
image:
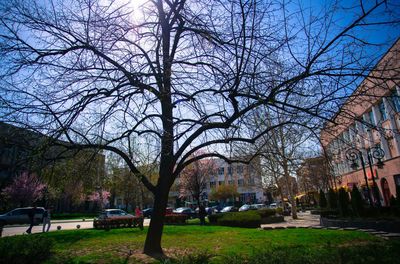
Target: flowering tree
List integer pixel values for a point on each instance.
(100, 198)
(25, 189)
(194, 178)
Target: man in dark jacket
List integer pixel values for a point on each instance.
(31, 215)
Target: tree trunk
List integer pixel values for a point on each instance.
(290, 190)
(152, 245)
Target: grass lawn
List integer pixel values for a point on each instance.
(222, 244)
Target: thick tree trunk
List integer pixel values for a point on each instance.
(152, 245)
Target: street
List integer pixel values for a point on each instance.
(65, 225)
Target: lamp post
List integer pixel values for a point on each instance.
(354, 154)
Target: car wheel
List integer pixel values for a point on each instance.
(2, 223)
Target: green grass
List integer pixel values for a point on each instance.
(223, 243)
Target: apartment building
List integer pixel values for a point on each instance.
(245, 177)
(367, 126)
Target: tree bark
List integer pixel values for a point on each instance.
(152, 245)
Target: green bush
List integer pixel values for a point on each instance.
(250, 219)
(25, 249)
(344, 202)
(332, 199)
(322, 199)
(175, 219)
(272, 219)
(356, 201)
(214, 218)
(108, 224)
(266, 212)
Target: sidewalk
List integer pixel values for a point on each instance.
(305, 219)
(58, 221)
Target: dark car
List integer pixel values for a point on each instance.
(147, 212)
(186, 211)
(21, 216)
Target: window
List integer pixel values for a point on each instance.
(251, 180)
(221, 170)
(240, 182)
(395, 98)
(230, 182)
(382, 110)
(221, 182)
(371, 117)
(230, 170)
(213, 184)
(239, 169)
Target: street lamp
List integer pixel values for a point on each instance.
(354, 154)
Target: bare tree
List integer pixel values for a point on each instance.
(185, 73)
(195, 177)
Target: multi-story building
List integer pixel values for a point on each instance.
(368, 121)
(246, 178)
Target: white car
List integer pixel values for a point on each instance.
(245, 207)
(114, 214)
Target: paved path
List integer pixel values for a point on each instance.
(65, 225)
(305, 219)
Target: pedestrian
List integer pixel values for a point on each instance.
(138, 212)
(46, 220)
(31, 215)
(202, 214)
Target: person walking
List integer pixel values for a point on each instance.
(31, 215)
(46, 220)
(202, 214)
(138, 212)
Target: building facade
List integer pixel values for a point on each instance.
(366, 127)
(246, 178)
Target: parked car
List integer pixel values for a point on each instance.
(147, 212)
(245, 207)
(20, 216)
(273, 206)
(258, 206)
(229, 209)
(114, 214)
(186, 211)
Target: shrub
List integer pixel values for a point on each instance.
(322, 199)
(175, 219)
(343, 202)
(25, 249)
(272, 219)
(108, 224)
(329, 213)
(266, 212)
(250, 219)
(332, 199)
(214, 218)
(356, 201)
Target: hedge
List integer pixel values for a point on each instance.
(25, 249)
(118, 223)
(249, 219)
(175, 219)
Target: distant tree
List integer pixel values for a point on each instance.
(101, 198)
(224, 192)
(332, 199)
(194, 178)
(25, 190)
(322, 199)
(356, 201)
